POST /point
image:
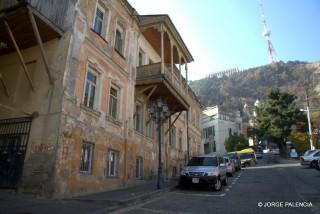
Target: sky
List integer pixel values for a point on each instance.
(226, 34)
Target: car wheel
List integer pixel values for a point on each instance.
(217, 186)
(318, 165)
(312, 164)
(225, 181)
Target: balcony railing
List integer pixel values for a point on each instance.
(153, 71)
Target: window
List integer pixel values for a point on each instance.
(230, 132)
(90, 89)
(139, 118)
(203, 161)
(180, 139)
(208, 132)
(141, 57)
(173, 136)
(98, 20)
(114, 102)
(139, 167)
(113, 163)
(119, 39)
(86, 157)
(150, 128)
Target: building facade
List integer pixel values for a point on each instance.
(217, 126)
(76, 82)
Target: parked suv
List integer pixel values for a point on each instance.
(207, 170)
(310, 157)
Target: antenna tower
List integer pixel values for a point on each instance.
(266, 34)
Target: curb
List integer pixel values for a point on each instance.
(135, 200)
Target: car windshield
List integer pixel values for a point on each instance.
(203, 161)
(309, 152)
(245, 156)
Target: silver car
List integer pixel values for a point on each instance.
(310, 157)
(207, 170)
(230, 166)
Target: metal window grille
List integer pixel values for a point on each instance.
(113, 163)
(86, 157)
(139, 167)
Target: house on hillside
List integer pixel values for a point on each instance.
(217, 126)
(81, 88)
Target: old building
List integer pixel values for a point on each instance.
(218, 125)
(77, 80)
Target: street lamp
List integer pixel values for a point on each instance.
(159, 111)
(309, 125)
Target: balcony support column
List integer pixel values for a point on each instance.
(25, 69)
(180, 78)
(4, 85)
(40, 44)
(186, 68)
(171, 53)
(162, 49)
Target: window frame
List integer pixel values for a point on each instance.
(89, 167)
(180, 139)
(150, 127)
(118, 99)
(173, 136)
(139, 129)
(115, 170)
(97, 88)
(122, 31)
(206, 133)
(99, 7)
(141, 53)
(139, 167)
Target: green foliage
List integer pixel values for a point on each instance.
(236, 143)
(277, 115)
(300, 142)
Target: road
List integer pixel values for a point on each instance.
(268, 187)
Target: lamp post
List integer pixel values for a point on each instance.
(309, 126)
(159, 112)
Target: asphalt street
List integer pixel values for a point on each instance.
(271, 186)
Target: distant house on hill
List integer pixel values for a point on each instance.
(217, 126)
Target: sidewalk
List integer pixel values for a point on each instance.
(103, 202)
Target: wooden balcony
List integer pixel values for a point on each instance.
(169, 85)
(51, 17)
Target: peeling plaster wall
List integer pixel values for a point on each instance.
(53, 156)
(80, 123)
(45, 100)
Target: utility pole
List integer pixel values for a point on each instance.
(309, 121)
(310, 129)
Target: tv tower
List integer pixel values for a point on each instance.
(266, 34)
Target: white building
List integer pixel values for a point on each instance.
(217, 126)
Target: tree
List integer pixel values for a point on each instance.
(276, 116)
(236, 143)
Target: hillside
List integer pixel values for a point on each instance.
(246, 86)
